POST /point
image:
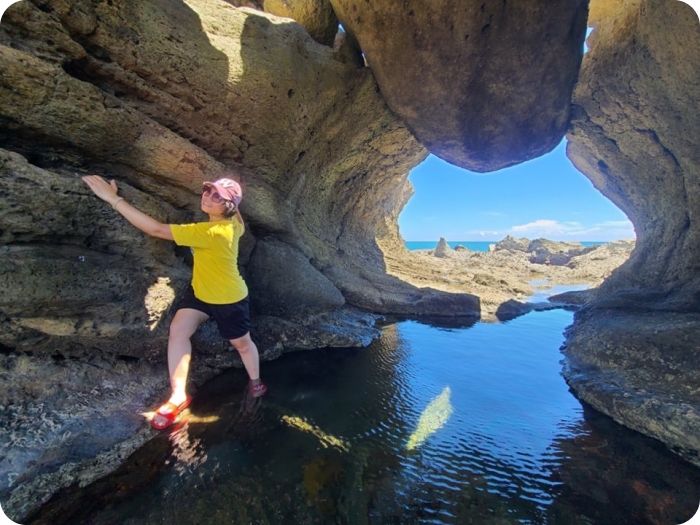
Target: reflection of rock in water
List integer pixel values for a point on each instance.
(614, 475)
(432, 419)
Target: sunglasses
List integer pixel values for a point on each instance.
(207, 191)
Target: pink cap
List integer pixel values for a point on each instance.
(228, 189)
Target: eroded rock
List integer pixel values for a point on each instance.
(316, 16)
(442, 249)
(641, 369)
(634, 107)
(474, 80)
(630, 136)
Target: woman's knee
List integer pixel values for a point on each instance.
(184, 325)
(243, 344)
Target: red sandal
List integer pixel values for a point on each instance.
(167, 414)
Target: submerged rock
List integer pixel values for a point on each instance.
(432, 419)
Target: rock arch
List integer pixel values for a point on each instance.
(163, 96)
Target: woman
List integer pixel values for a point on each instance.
(217, 290)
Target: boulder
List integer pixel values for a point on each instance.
(442, 249)
(287, 284)
(512, 244)
(461, 73)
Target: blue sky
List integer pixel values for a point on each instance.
(545, 197)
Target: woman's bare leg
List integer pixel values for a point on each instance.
(249, 355)
(182, 328)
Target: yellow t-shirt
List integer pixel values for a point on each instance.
(215, 277)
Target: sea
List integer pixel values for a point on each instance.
(476, 246)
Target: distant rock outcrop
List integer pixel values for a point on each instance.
(508, 276)
(513, 244)
(442, 249)
(543, 251)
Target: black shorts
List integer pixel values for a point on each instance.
(233, 320)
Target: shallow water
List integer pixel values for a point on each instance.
(445, 425)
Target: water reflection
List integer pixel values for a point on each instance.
(498, 439)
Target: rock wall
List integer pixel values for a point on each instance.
(633, 352)
(162, 97)
(631, 134)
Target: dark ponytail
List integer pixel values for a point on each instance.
(230, 209)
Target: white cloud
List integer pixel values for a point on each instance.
(574, 231)
(488, 235)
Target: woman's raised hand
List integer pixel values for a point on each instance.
(107, 191)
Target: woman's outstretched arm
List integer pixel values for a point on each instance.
(107, 191)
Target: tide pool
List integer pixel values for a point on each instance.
(443, 424)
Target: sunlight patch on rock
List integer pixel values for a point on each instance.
(326, 439)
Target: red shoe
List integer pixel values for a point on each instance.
(258, 389)
(167, 414)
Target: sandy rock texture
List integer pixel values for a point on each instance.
(630, 134)
(482, 84)
(630, 354)
(317, 17)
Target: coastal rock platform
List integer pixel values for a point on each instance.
(513, 270)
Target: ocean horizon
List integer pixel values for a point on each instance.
(476, 246)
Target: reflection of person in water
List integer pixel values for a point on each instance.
(217, 290)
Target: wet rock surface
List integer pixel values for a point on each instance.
(642, 370)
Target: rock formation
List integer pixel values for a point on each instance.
(544, 251)
(503, 275)
(631, 354)
(164, 95)
(462, 73)
(317, 17)
(442, 249)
